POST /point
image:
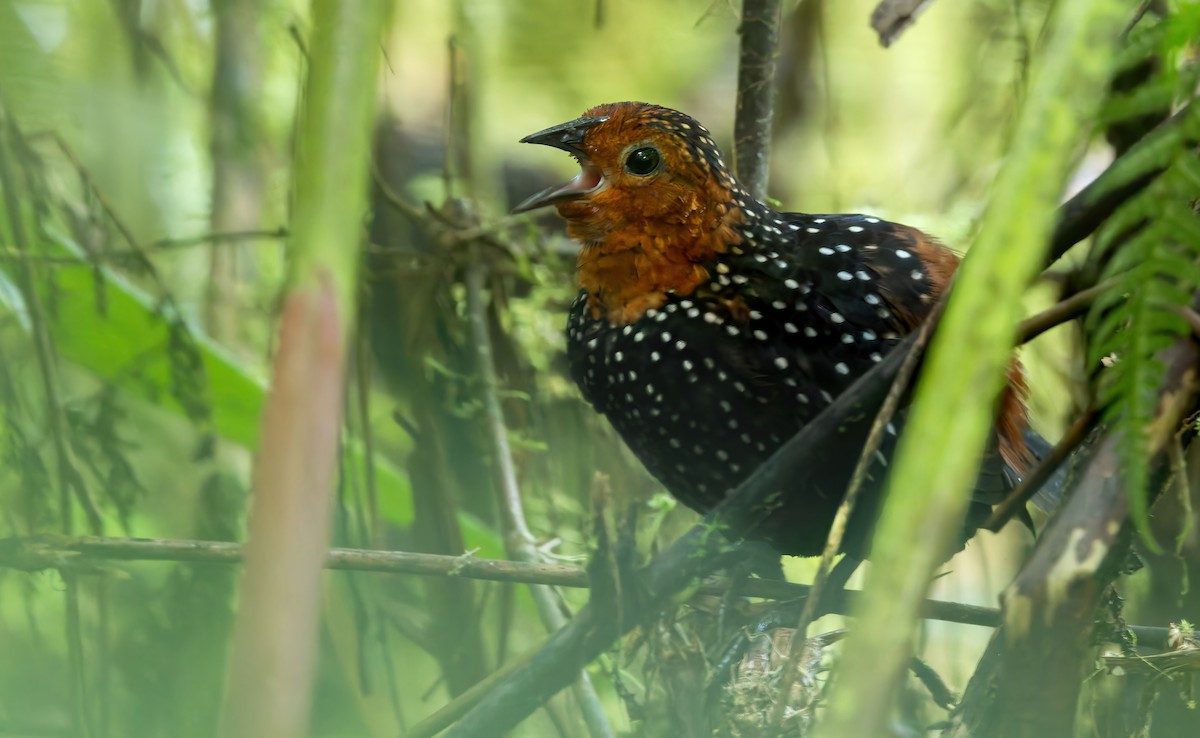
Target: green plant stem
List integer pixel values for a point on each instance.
(273, 654)
(953, 408)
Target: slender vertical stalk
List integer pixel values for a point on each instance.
(238, 177)
(67, 478)
(362, 397)
(81, 717)
(274, 641)
(756, 94)
(518, 540)
(953, 408)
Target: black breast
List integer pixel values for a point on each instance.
(703, 394)
(705, 388)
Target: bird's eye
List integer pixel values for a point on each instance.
(642, 161)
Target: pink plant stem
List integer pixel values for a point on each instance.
(274, 640)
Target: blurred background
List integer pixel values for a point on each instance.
(151, 143)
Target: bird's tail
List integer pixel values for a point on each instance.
(997, 478)
(1050, 495)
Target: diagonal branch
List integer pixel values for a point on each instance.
(1028, 681)
(1029, 486)
(1083, 213)
(897, 394)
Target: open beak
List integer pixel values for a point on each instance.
(568, 137)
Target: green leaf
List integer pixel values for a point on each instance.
(1155, 151)
(1153, 97)
(127, 346)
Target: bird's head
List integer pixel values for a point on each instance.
(640, 165)
(653, 205)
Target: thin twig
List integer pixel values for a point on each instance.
(1067, 309)
(756, 94)
(1183, 488)
(833, 542)
(79, 691)
(939, 691)
(37, 553)
(395, 199)
(85, 177)
(362, 392)
(448, 233)
(1029, 486)
(130, 18)
(162, 244)
(518, 540)
(68, 480)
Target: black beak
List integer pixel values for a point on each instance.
(566, 136)
(569, 138)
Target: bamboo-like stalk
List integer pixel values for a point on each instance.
(274, 641)
(953, 409)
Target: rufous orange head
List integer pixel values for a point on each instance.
(651, 206)
(639, 163)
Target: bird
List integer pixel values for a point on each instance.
(709, 328)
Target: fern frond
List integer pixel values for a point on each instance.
(1151, 247)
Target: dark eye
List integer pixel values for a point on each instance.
(642, 161)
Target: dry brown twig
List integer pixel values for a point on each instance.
(87, 554)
